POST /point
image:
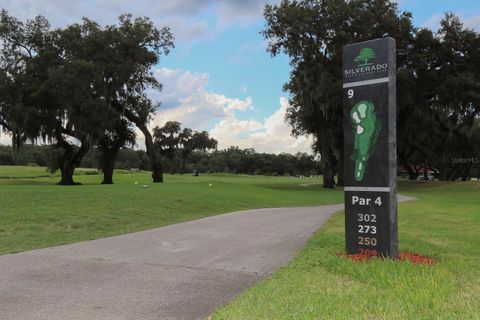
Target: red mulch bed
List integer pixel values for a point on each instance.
(402, 256)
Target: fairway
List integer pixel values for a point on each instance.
(36, 213)
(443, 223)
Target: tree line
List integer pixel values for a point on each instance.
(230, 160)
(438, 81)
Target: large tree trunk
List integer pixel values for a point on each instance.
(172, 165)
(412, 175)
(328, 169)
(184, 163)
(185, 154)
(14, 148)
(108, 167)
(108, 156)
(328, 175)
(67, 171)
(425, 170)
(341, 169)
(443, 171)
(153, 154)
(71, 160)
(403, 160)
(157, 171)
(17, 142)
(327, 155)
(453, 175)
(466, 172)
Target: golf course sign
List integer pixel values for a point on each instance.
(369, 95)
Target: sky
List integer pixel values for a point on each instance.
(219, 77)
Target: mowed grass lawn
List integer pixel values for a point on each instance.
(443, 223)
(35, 212)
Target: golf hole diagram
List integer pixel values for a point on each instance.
(366, 128)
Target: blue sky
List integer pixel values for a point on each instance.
(219, 77)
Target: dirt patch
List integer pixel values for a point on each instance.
(402, 256)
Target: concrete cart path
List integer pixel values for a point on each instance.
(181, 271)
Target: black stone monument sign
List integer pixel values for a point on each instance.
(369, 95)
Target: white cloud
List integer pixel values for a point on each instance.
(473, 22)
(183, 20)
(5, 139)
(272, 135)
(433, 22)
(187, 30)
(244, 12)
(185, 17)
(177, 85)
(184, 98)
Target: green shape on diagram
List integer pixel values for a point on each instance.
(366, 127)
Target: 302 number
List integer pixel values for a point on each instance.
(367, 217)
(367, 241)
(367, 229)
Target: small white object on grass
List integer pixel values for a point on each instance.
(136, 182)
(144, 186)
(209, 184)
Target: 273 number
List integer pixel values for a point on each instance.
(367, 229)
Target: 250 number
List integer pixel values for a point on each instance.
(367, 241)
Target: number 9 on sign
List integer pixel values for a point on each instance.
(350, 93)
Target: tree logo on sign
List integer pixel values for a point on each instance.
(365, 55)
